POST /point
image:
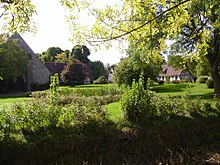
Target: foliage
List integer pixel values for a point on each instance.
(40, 87)
(209, 83)
(101, 80)
(97, 68)
(63, 57)
(81, 53)
(16, 16)
(136, 104)
(73, 74)
(161, 82)
(202, 79)
(54, 84)
(192, 24)
(142, 106)
(138, 63)
(51, 54)
(203, 68)
(180, 61)
(14, 61)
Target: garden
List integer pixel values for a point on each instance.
(105, 124)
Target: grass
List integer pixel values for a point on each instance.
(8, 99)
(188, 141)
(196, 90)
(115, 112)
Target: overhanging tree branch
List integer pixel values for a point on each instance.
(143, 25)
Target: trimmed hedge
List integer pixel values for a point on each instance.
(101, 80)
(160, 82)
(202, 79)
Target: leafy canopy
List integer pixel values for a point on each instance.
(13, 60)
(195, 24)
(16, 16)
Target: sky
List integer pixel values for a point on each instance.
(53, 31)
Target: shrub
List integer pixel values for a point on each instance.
(175, 81)
(160, 82)
(202, 79)
(40, 87)
(209, 83)
(136, 103)
(101, 80)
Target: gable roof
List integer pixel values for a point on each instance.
(170, 71)
(23, 44)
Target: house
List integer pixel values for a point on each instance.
(110, 73)
(169, 74)
(37, 74)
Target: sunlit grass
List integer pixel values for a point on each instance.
(7, 100)
(114, 110)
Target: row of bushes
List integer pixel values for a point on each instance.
(143, 106)
(201, 79)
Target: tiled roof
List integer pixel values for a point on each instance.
(170, 71)
(55, 67)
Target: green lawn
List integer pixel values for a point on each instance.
(196, 90)
(6, 100)
(114, 110)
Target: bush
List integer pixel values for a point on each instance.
(40, 87)
(101, 80)
(175, 81)
(160, 82)
(209, 83)
(136, 104)
(202, 79)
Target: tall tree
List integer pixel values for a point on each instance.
(97, 69)
(81, 52)
(194, 23)
(50, 54)
(13, 62)
(73, 74)
(138, 63)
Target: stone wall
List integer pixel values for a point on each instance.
(37, 73)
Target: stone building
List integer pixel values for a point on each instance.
(37, 74)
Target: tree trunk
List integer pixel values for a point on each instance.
(216, 80)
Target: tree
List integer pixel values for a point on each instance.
(81, 52)
(98, 69)
(13, 62)
(50, 54)
(16, 16)
(73, 74)
(179, 61)
(194, 23)
(137, 64)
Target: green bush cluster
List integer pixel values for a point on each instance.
(202, 79)
(161, 82)
(175, 81)
(209, 83)
(57, 109)
(101, 80)
(142, 106)
(136, 103)
(38, 114)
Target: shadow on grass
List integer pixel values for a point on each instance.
(14, 95)
(180, 141)
(170, 88)
(205, 96)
